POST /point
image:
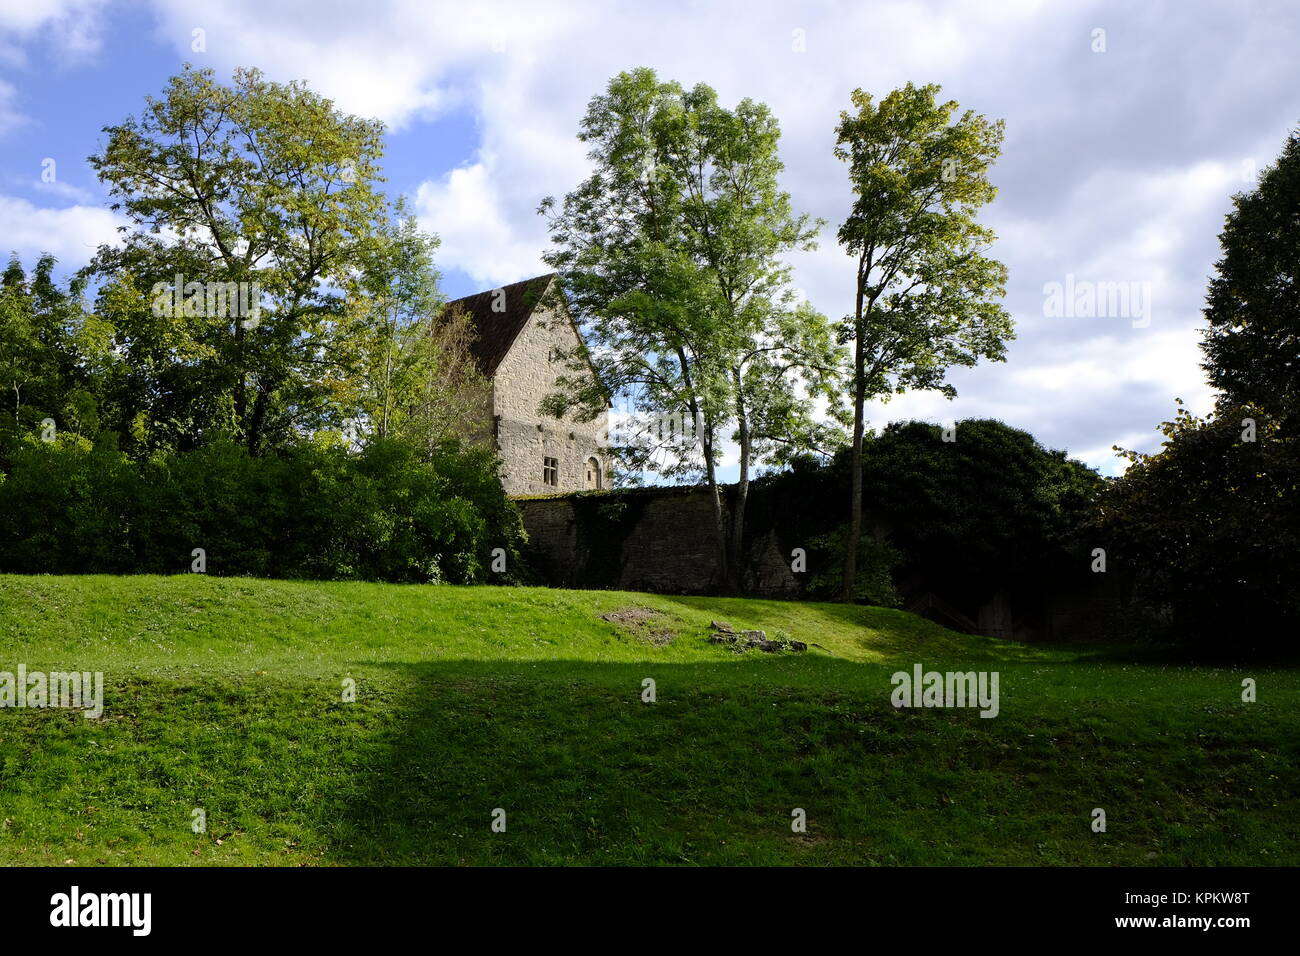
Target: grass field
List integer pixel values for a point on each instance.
(226, 695)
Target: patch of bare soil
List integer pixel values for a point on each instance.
(644, 622)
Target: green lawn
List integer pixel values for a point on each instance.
(226, 695)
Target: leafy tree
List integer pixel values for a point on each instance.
(51, 352)
(409, 371)
(925, 293)
(670, 255)
(258, 183)
(969, 516)
(1209, 527)
(1252, 345)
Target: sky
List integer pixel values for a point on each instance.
(1129, 126)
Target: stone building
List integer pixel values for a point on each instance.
(518, 327)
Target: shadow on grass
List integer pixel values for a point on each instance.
(584, 769)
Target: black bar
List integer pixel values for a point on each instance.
(190, 905)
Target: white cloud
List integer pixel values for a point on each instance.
(73, 26)
(467, 211)
(1117, 167)
(398, 61)
(10, 117)
(72, 234)
(64, 190)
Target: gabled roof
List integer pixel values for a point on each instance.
(495, 332)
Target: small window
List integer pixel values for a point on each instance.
(551, 471)
(593, 473)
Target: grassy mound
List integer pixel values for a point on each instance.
(228, 696)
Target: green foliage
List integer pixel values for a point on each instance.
(408, 369)
(927, 295)
(1252, 344)
(263, 198)
(991, 507)
(51, 352)
(1209, 527)
(672, 255)
(992, 511)
(876, 562)
(268, 292)
(314, 511)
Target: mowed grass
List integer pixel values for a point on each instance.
(226, 695)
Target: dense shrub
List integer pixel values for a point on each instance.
(992, 506)
(875, 566)
(312, 511)
(992, 513)
(1209, 528)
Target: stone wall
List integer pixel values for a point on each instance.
(661, 540)
(524, 437)
(656, 539)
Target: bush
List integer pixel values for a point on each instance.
(1209, 528)
(991, 512)
(992, 509)
(314, 511)
(876, 563)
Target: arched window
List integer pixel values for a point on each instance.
(593, 473)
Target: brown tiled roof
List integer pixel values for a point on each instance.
(495, 332)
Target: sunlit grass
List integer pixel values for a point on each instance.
(227, 695)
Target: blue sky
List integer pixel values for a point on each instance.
(1123, 146)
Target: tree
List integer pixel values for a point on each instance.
(51, 352)
(1252, 345)
(409, 372)
(670, 254)
(260, 194)
(925, 293)
(1209, 526)
(976, 515)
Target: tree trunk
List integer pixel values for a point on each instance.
(719, 525)
(241, 386)
(848, 590)
(706, 440)
(256, 421)
(735, 560)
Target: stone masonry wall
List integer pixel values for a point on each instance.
(661, 540)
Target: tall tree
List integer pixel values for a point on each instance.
(1209, 525)
(926, 294)
(1252, 344)
(777, 354)
(1208, 529)
(256, 189)
(670, 254)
